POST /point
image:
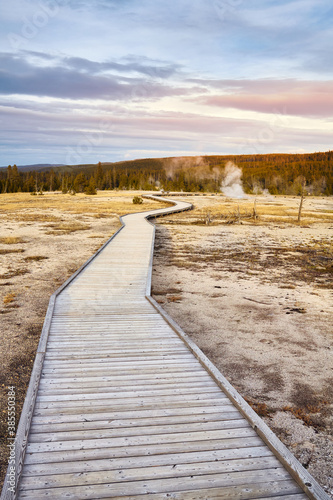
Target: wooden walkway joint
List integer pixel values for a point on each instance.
(122, 404)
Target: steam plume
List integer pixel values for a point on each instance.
(232, 182)
(196, 166)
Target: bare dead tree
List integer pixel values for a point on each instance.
(303, 194)
(208, 218)
(255, 215)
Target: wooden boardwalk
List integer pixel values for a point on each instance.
(122, 405)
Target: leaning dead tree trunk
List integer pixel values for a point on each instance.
(300, 209)
(301, 203)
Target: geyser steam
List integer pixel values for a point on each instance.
(232, 182)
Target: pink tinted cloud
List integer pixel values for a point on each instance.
(307, 99)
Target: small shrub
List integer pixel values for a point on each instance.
(309, 414)
(137, 200)
(33, 330)
(260, 408)
(90, 190)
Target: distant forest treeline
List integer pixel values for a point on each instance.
(277, 173)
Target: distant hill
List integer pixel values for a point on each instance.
(36, 167)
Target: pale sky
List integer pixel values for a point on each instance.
(105, 80)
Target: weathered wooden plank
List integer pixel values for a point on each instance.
(201, 407)
(93, 362)
(141, 450)
(135, 430)
(227, 417)
(168, 485)
(44, 397)
(286, 490)
(170, 459)
(118, 380)
(79, 343)
(176, 470)
(86, 391)
(117, 363)
(101, 351)
(113, 371)
(127, 406)
(144, 439)
(88, 353)
(137, 399)
(95, 384)
(120, 336)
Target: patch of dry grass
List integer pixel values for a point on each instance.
(11, 250)
(300, 263)
(174, 298)
(11, 240)
(67, 228)
(11, 273)
(276, 210)
(9, 298)
(101, 215)
(36, 258)
(36, 217)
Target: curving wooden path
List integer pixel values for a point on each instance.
(122, 405)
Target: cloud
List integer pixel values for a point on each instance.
(159, 70)
(292, 97)
(313, 105)
(78, 78)
(277, 37)
(166, 73)
(45, 132)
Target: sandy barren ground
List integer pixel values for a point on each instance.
(43, 241)
(256, 297)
